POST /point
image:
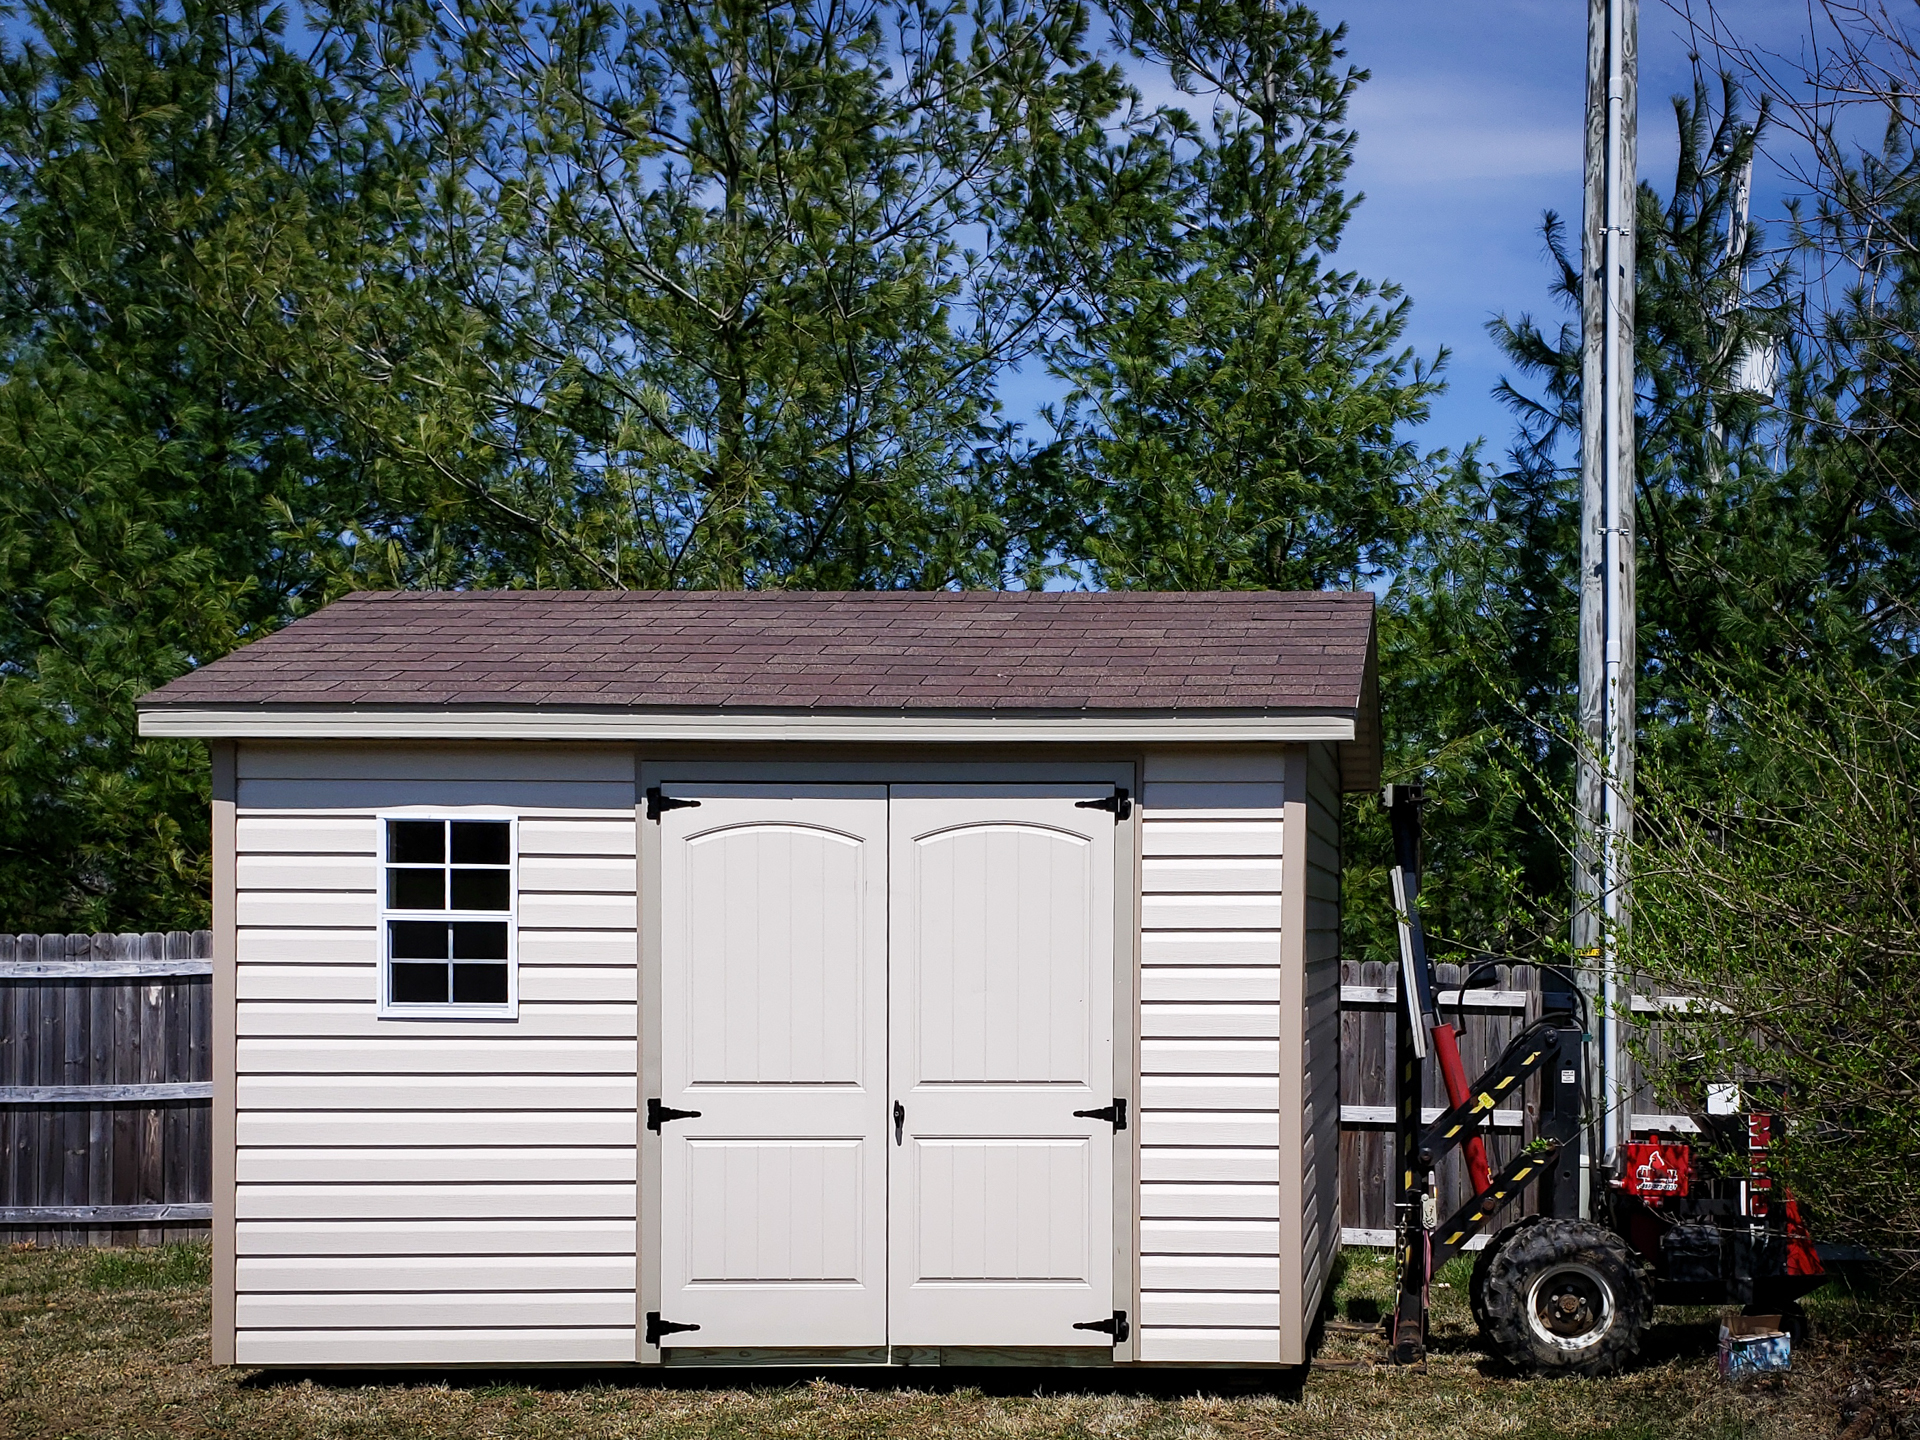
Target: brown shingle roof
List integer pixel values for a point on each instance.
(798, 650)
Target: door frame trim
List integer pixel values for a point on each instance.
(904, 770)
(647, 852)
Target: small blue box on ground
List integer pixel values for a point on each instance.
(1753, 1345)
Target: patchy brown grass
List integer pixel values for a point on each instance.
(113, 1344)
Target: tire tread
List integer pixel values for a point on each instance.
(1526, 1249)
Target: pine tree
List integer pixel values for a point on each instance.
(759, 268)
(1237, 404)
(161, 486)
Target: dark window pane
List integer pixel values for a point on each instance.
(480, 842)
(417, 889)
(479, 940)
(417, 842)
(419, 984)
(481, 890)
(418, 939)
(480, 984)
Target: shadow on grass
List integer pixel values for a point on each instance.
(1663, 1341)
(1007, 1381)
(1679, 1340)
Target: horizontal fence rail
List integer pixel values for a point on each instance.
(104, 1094)
(97, 969)
(106, 1214)
(106, 1087)
(1488, 1019)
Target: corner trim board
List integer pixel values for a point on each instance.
(224, 755)
(1293, 1005)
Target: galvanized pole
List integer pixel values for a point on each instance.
(1604, 777)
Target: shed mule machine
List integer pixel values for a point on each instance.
(1569, 1290)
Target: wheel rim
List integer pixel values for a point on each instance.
(1570, 1306)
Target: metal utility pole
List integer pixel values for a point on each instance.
(1604, 779)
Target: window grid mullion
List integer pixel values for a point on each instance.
(498, 989)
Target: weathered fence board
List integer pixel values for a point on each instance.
(105, 1087)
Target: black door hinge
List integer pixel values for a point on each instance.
(1120, 803)
(658, 804)
(658, 1115)
(657, 1329)
(1116, 1327)
(1114, 1114)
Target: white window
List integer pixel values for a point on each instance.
(447, 916)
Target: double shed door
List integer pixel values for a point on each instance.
(883, 1006)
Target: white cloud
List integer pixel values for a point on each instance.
(1446, 131)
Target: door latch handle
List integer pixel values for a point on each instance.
(1114, 1114)
(899, 1122)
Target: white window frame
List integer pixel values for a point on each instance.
(449, 1010)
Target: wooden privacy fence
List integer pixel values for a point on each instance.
(1502, 1004)
(106, 1086)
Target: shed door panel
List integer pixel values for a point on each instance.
(773, 1013)
(1001, 959)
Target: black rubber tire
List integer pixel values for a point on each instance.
(1565, 1297)
(1483, 1261)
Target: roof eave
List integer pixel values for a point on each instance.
(394, 722)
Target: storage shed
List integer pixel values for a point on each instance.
(710, 978)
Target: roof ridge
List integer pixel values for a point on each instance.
(923, 596)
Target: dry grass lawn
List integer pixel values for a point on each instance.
(113, 1343)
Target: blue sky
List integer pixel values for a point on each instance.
(1469, 129)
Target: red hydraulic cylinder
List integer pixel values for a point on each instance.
(1447, 1048)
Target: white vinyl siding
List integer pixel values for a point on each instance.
(364, 1274)
(434, 1190)
(1211, 919)
(1320, 1045)
(459, 1190)
(410, 1343)
(480, 1242)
